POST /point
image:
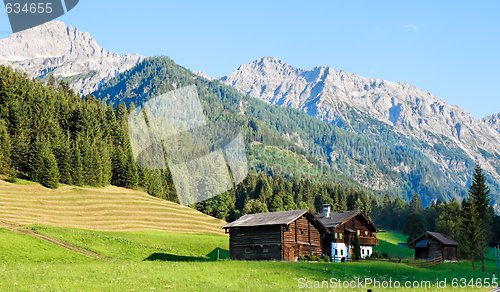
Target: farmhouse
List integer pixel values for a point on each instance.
(431, 245)
(275, 236)
(343, 226)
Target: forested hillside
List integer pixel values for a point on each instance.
(51, 135)
(332, 153)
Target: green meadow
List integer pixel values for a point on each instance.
(159, 260)
(112, 239)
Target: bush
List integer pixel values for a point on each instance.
(314, 258)
(376, 255)
(12, 176)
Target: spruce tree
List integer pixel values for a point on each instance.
(76, 165)
(471, 229)
(4, 148)
(479, 196)
(46, 168)
(416, 203)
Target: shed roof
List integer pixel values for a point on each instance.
(271, 218)
(437, 236)
(422, 243)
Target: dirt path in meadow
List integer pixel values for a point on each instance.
(14, 227)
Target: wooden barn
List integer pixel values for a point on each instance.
(431, 245)
(343, 226)
(275, 236)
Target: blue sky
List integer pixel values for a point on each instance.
(449, 48)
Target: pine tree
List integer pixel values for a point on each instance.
(4, 148)
(479, 196)
(76, 165)
(471, 229)
(416, 203)
(46, 168)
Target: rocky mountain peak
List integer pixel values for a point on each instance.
(65, 52)
(342, 98)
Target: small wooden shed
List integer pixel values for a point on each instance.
(282, 235)
(431, 245)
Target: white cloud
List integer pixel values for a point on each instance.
(410, 27)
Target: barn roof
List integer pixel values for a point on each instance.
(338, 218)
(271, 218)
(275, 218)
(437, 236)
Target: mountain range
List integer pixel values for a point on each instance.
(66, 53)
(387, 136)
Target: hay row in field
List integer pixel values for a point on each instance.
(108, 209)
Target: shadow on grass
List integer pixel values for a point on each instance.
(216, 254)
(166, 257)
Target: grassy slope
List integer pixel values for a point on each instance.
(388, 243)
(182, 261)
(109, 208)
(187, 267)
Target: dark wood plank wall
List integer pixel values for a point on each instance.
(301, 238)
(450, 253)
(256, 243)
(434, 249)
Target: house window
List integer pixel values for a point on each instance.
(265, 250)
(336, 235)
(301, 232)
(363, 252)
(366, 232)
(340, 235)
(357, 231)
(336, 251)
(341, 252)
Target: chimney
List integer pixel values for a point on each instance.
(326, 210)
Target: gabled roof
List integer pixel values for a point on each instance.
(437, 236)
(274, 218)
(271, 218)
(339, 218)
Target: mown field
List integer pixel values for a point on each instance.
(107, 209)
(152, 260)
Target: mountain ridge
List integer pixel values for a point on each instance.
(66, 53)
(332, 96)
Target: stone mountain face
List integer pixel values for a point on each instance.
(493, 121)
(351, 101)
(65, 52)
